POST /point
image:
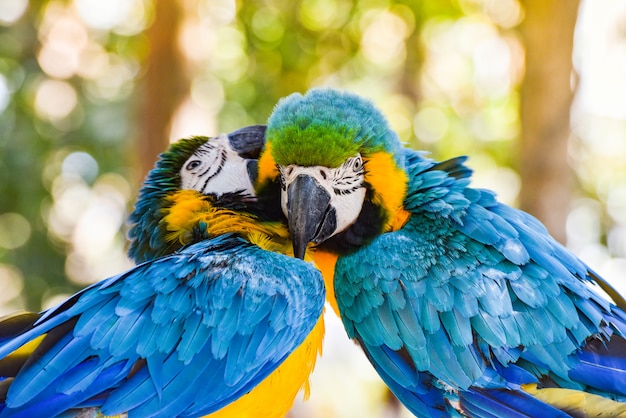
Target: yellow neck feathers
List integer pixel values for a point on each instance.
(189, 209)
(389, 183)
(266, 166)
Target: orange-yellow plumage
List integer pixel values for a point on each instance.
(389, 183)
(325, 261)
(267, 169)
(190, 208)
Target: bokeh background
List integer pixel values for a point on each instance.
(91, 91)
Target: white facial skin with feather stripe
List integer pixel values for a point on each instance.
(216, 168)
(335, 194)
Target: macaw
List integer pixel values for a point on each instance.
(213, 320)
(462, 304)
(174, 211)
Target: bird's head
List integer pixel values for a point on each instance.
(339, 165)
(193, 174)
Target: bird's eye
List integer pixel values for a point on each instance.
(193, 164)
(357, 164)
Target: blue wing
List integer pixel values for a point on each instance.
(474, 297)
(179, 336)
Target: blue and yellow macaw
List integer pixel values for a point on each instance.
(462, 304)
(209, 322)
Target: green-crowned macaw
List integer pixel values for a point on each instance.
(461, 303)
(209, 322)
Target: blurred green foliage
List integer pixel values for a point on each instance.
(57, 127)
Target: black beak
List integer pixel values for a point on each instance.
(248, 141)
(253, 170)
(310, 217)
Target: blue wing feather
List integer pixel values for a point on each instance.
(221, 305)
(489, 292)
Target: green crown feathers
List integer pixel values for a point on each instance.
(325, 127)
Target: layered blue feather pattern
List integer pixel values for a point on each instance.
(182, 335)
(472, 300)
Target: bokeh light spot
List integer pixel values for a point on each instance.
(11, 283)
(317, 14)
(583, 223)
(383, 38)
(268, 26)
(12, 10)
(230, 59)
(103, 14)
(4, 93)
(81, 164)
(208, 93)
(63, 40)
(217, 11)
(430, 124)
(55, 99)
(15, 230)
(616, 204)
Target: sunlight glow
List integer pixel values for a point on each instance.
(12, 10)
(63, 43)
(600, 57)
(230, 60)
(616, 204)
(268, 25)
(89, 219)
(55, 99)
(208, 93)
(126, 17)
(220, 12)
(318, 15)
(192, 119)
(4, 93)
(11, 285)
(383, 38)
(197, 40)
(81, 164)
(583, 223)
(15, 230)
(430, 124)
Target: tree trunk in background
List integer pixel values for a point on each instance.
(162, 87)
(546, 96)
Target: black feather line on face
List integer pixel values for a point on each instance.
(369, 224)
(222, 163)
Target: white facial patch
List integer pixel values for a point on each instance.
(344, 184)
(215, 168)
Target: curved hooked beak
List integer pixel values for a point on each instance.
(248, 141)
(310, 216)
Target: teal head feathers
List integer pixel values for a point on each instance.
(325, 127)
(340, 167)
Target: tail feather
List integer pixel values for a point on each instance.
(578, 403)
(603, 365)
(16, 323)
(498, 403)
